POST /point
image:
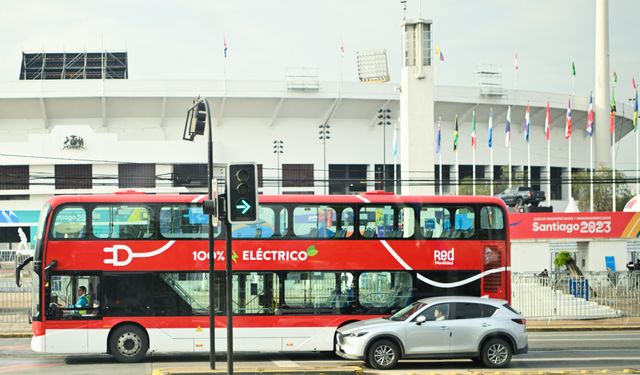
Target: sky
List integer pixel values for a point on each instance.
(183, 40)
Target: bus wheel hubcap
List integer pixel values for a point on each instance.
(129, 344)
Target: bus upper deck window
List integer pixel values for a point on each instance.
(69, 222)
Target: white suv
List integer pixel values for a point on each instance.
(486, 330)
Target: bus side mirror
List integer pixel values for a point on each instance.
(48, 268)
(19, 268)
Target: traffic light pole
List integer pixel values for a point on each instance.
(229, 301)
(212, 309)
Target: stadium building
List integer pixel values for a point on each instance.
(74, 123)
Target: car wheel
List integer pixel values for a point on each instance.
(128, 343)
(496, 353)
(519, 202)
(383, 355)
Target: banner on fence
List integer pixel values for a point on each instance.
(587, 225)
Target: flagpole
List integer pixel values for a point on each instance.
(573, 93)
(491, 146)
(508, 135)
(509, 164)
(473, 145)
(491, 172)
(549, 170)
(440, 167)
(528, 164)
(570, 191)
(395, 158)
(613, 166)
(474, 170)
(457, 175)
(591, 178)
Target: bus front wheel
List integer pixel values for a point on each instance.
(128, 343)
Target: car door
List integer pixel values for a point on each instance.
(469, 323)
(431, 336)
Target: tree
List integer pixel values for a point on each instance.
(565, 259)
(602, 187)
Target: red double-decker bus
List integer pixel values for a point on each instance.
(127, 273)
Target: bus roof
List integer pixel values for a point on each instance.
(375, 197)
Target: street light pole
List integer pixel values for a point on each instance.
(278, 148)
(212, 310)
(194, 125)
(384, 117)
(324, 135)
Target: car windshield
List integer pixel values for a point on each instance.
(406, 312)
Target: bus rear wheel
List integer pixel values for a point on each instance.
(128, 343)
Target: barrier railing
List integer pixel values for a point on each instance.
(558, 296)
(15, 302)
(591, 296)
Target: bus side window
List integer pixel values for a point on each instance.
(492, 226)
(434, 222)
(70, 222)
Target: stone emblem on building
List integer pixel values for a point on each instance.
(73, 142)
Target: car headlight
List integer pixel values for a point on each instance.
(356, 334)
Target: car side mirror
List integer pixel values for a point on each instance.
(421, 319)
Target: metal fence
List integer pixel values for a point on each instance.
(14, 301)
(595, 295)
(558, 296)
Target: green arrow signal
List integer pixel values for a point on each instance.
(243, 205)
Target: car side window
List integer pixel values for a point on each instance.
(468, 311)
(488, 310)
(436, 312)
(474, 310)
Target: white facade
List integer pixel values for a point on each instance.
(124, 121)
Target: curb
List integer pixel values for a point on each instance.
(582, 328)
(347, 370)
(10, 335)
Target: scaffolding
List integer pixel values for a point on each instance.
(74, 65)
(489, 79)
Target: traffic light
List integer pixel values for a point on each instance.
(242, 193)
(198, 119)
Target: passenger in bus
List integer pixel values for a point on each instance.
(437, 226)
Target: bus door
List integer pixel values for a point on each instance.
(73, 302)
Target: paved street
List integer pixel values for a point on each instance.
(612, 351)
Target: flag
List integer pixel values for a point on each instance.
(516, 62)
(573, 69)
(225, 47)
(615, 77)
(507, 128)
(438, 136)
(567, 128)
(394, 145)
(341, 47)
(633, 82)
(439, 53)
(547, 122)
(527, 117)
(490, 139)
(473, 130)
(455, 136)
(612, 117)
(635, 113)
(590, 116)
